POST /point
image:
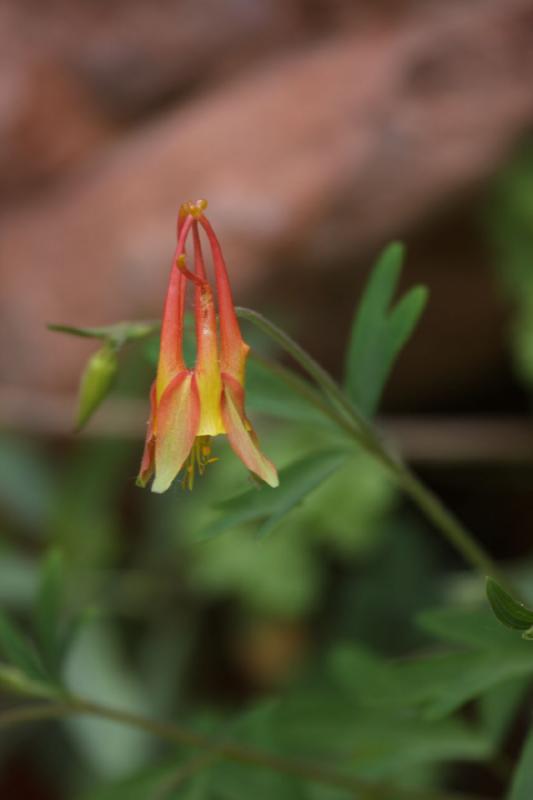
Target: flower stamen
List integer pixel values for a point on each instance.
(198, 460)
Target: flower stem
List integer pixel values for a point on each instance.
(365, 434)
(302, 387)
(72, 705)
(312, 367)
(451, 528)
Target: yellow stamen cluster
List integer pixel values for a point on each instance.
(194, 207)
(199, 458)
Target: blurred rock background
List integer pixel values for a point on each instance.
(318, 130)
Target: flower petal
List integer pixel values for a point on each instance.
(171, 350)
(241, 435)
(147, 463)
(233, 350)
(178, 417)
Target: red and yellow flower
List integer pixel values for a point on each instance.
(190, 406)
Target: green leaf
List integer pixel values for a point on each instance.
(510, 612)
(268, 393)
(19, 651)
(119, 333)
(475, 628)
(442, 682)
(143, 784)
(403, 320)
(495, 657)
(236, 781)
(197, 788)
(499, 706)
(14, 681)
(335, 724)
(377, 334)
(522, 783)
(48, 611)
(262, 503)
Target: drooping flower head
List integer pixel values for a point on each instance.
(189, 406)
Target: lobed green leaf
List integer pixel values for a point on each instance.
(441, 682)
(402, 321)
(378, 335)
(263, 504)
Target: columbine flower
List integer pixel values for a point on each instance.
(189, 406)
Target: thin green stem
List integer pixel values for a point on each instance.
(305, 390)
(451, 528)
(184, 773)
(365, 434)
(72, 705)
(312, 367)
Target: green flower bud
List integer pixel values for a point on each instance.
(96, 382)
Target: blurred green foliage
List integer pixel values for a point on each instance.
(277, 620)
(152, 579)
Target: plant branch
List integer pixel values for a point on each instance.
(73, 705)
(312, 367)
(365, 434)
(451, 528)
(304, 389)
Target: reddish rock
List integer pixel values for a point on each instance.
(70, 76)
(306, 161)
(47, 124)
